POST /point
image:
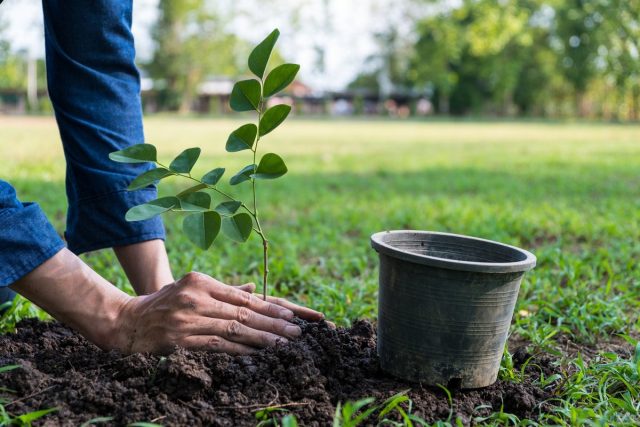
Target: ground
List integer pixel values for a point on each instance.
(569, 192)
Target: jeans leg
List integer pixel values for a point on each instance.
(6, 298)
(95, 91)
(27, 239)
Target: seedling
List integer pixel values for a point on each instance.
(235, 218)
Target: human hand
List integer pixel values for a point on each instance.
(199, 312)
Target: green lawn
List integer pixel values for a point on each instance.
(568, 192)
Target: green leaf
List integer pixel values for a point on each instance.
(237, 227)
(289, 421)
(271, 167)
(260, 54)
(27, 419)
(273, 117)
(213, 176)
(195, 202)
(228, 208)
(242, 138)
(139, 153)
(193, 189)
(149, 177)
(185, 160)
(245, 95)
(391, 403)
(7, 368)
(151, 209)
(202, 228)
(279, 78)
(243, 175)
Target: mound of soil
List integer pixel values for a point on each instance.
(307, 377)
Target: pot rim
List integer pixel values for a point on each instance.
(378, 243)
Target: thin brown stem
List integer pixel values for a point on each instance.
(265, 245)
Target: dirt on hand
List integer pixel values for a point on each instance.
(307, 377)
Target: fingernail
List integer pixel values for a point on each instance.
(282, 341)
(293, 331)
(286, 313)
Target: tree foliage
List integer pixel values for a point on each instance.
(13, 67)
(520, 56)
(191, 43)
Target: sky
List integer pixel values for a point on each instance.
(347, 39)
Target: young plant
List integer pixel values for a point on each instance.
(235, 218)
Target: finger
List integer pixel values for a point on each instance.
(234, 331)
(215, 343)
(300, 311)
(234, 296)
(247, 287)
(248, 317)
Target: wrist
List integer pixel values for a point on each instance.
(67, 289)
(116, 326)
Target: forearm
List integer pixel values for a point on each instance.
(146, 265)
(67, 289)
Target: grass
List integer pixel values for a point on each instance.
(570, 192)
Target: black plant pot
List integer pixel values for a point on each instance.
(445, 305)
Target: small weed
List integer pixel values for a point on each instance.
(96, 421)
(24, 420)
(361, 412)
(17, 310)
(144, 424)
(499, 418)
(268, 417)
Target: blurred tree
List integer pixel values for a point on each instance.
(577, 36)
(191, 43)
(387, 71)
(499, 41)
(13, 66)
(438, 54)
(598, 53)
(478, 55)
(529, 56)
(620, 52)
(366, 81)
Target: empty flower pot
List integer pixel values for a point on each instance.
(445, 305)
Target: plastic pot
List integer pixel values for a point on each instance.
(445, 305)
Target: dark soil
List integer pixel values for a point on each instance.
(307, 377)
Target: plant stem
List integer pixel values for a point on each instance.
(265, 257)
(265, 274)
(265, 242)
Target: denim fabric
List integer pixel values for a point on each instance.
(94, 87)
(6, 297)
(27, 239)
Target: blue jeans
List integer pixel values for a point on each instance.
(94, 87)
